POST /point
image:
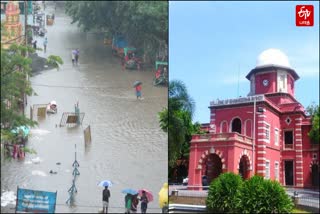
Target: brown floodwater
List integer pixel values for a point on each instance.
(128, 147)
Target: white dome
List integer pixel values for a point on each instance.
(273, 57)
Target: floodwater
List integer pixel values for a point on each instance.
(128, 147)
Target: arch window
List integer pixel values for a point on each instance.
(236, 125)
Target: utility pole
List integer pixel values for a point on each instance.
(25, 43)
(26, 24)
(254, 132)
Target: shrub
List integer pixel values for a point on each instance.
(264, 196)
(224, 194)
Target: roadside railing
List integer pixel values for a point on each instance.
(308, 202)
(189, 191)
(186, 208)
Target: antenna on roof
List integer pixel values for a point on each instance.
(238, 78)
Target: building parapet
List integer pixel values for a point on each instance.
(248, 99)
(221, 137)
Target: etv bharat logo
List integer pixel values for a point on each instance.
(304, 15)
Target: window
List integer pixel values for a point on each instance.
(276, 171)
(268, 132)
(282, 81)
(288, 139)
(267, 170)
(236, 125)
(315, 156)
(276, 137)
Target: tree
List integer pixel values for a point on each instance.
(144, 23)
(14, 84)
(181, 107)
(15, 68)
(314, 112)
(177, 121)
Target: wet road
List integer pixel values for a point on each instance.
(128, 146)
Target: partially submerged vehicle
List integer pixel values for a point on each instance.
(161, 75)
(52, 107)
(131, 58)
(118, 44)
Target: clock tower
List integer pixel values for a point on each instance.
(272, 74)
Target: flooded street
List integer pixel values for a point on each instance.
(128, 147)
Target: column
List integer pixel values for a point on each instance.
(261, 140)
(298, 150)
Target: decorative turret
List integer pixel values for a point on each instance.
(12, 25)
(272, 74)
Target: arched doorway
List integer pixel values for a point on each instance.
(213, 167)
(244, 167)
(315, 175)
(236, 125)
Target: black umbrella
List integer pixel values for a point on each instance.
(136, 83)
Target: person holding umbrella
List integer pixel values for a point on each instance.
(144, 202)
(105, 194)
(129, 198)
(137, 85)
(134, 204)
(105, 199)
(128, 201)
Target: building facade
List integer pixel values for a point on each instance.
(12, 26)
(265, 133)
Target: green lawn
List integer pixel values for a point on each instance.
(295, 210)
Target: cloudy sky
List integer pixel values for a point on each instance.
(214, 45)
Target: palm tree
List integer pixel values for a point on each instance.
(177, 120)
(179, 98)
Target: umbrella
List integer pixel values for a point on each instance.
(136, 83)
(105, 183)
(130, 191)
(24, 129)
(148, 194)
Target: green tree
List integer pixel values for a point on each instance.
(177, 121)
(181, 107)
(144, 23)
(15, 84)
(314, 112)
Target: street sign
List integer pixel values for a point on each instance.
(87, 135)
(35, 201)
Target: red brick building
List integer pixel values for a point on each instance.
(272, 142)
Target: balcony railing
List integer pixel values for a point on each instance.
(222, 137)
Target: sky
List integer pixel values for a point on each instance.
(214, 45)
